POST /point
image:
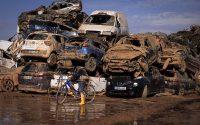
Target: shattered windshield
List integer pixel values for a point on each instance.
(37, 37)
(101, 20)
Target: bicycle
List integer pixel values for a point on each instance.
(65, 89)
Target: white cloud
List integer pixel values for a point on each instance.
(165, 22)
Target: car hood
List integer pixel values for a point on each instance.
(124, 52)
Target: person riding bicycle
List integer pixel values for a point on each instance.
(81, 77)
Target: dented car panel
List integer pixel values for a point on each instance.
(173, 57)
(80, 49)
(66, 6)
(130, 55)
(64, 12)
(35, 77)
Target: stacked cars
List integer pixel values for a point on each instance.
(61, 37)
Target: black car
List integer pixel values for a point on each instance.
(143, 86)
(35, 77)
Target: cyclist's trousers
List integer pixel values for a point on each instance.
(81, 86)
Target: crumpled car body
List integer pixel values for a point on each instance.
(72, 19)
(77, 51)
(130, 55)
(6, 60)
(173, 57)
(66, 6)
(35, 77)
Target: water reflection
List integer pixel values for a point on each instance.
(73, 113)
(40, 110)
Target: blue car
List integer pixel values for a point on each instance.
(80, 51)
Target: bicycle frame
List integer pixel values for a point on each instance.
(68, 84)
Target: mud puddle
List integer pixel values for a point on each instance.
(23, 109)
(185, 113)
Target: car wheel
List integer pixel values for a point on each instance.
(91, 64)
(52, 59)
(8, 85)
(181, 91)
(145, 92)
(198, 89)
(74, 14)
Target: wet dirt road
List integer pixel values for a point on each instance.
(27, 109)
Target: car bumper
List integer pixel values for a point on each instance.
(36, 53)
(31, 88)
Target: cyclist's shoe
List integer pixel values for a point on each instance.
(82, 99)
(70, 93)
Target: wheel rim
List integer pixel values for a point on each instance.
(92, 64)
(8, 86)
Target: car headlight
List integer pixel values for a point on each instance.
(135, 84)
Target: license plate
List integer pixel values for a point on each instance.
(27, 77)
(120, 88)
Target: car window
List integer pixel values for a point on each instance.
(136, 43)
(36, 68)
(37, 37)
(96, 44)
(57, 38)
(101, 20)
(30, 68)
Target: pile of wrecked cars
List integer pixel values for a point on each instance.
(54, 40)
(129, 64)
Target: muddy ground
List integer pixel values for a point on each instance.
(29, 109)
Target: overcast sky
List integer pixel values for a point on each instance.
(143, 15)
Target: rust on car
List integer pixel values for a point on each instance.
(132, 54)
(9, 79)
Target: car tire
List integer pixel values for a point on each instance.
(52, 59)
(74, 14)
(145, 92)
(198, 89)
(7, 85)
(91, 64)
(181, 91)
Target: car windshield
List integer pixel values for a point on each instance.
(136, 43)
(101, 20)
(37, 37)
(35, 68)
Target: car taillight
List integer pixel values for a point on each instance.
(85, 44)
(48, 43)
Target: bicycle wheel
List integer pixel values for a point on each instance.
(61, 94)
(90, 93)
